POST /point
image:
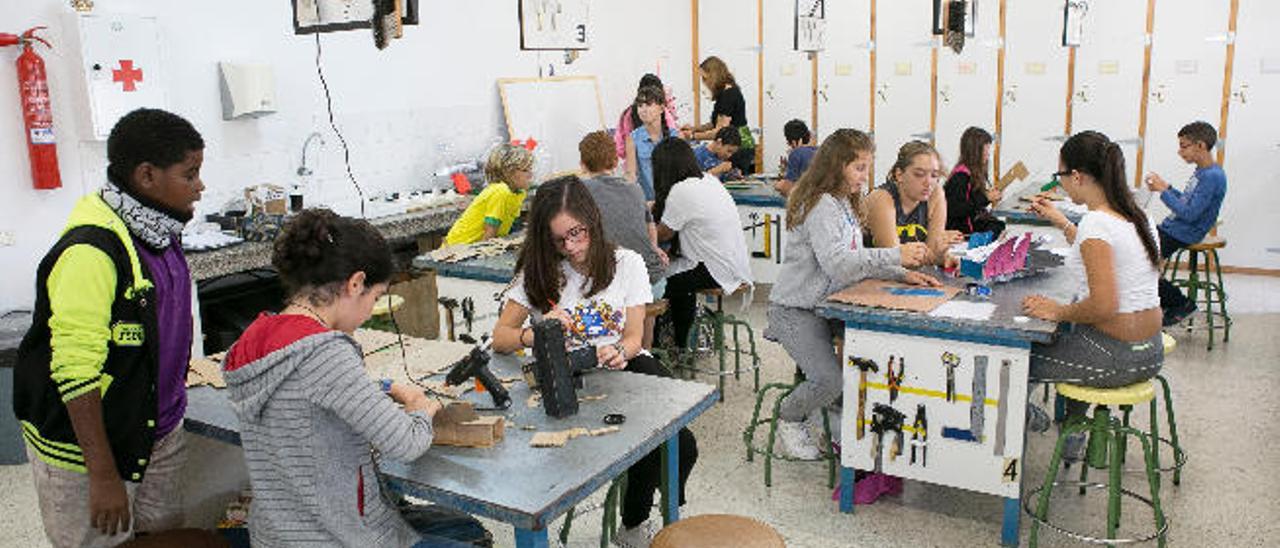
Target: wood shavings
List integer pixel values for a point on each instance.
(596, 397)
(534, 401)
(373, 340)
(206, 372)
(559, 439)
(485, 248)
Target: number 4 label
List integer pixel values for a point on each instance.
(1010, 470)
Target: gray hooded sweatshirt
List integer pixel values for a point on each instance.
(309, 421)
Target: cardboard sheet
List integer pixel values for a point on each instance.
(895, 296)
(206, 371)
(1016, 173)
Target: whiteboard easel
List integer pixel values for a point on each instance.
(556, 112)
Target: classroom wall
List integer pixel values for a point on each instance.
(1189, 42)
(427, 101)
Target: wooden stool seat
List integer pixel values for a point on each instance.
(718, 531)
(1209, 242)
(1133, 394)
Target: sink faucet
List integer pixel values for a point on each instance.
(303, 170)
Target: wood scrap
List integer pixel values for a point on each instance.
(596, 397)
(458, 425)
(560, 438)
(206, 371)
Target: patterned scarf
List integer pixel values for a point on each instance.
(154, 227)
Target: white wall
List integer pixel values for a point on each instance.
(428, 99)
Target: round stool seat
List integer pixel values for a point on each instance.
(1133, 394)
(718, 531)
(1170, 343)
(1209, 242)
(390, 303)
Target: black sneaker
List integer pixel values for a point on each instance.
(1175, 315)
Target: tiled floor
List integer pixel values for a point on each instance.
(1228, 401)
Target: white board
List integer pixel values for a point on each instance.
(557, 113)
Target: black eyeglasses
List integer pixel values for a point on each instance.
(575, 235)
(1057, 177)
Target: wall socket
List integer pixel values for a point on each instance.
(6, 238)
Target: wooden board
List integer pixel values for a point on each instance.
(896, 296)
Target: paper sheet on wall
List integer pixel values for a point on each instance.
(965, 310)
(894, 295)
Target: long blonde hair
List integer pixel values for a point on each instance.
(826, 175)
(718, 75)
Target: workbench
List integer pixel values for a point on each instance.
(763, 212)
(989, 461)
(482, 280)
(512, 482)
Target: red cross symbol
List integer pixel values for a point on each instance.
(127, 74)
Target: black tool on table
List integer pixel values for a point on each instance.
(475, 365)
(920, 436)
(555, 368)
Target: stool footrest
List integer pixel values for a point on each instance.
(1030, 495)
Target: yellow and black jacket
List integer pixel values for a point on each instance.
(92, 330)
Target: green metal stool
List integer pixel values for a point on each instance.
(1204, 286)
(748, 435)
(717, 320)
(1108, 439)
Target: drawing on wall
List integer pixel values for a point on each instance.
(312, 16)
(1073, 13)
(811, 25)
(554, 25)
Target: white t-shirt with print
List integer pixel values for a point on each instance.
(1136, 278)
(704, 214)
(600, 318)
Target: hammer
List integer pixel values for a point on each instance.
(449, 303)
(863, 366)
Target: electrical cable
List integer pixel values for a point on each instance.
(328, 102)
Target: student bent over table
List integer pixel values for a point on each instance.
(824, 255)
(311, 419)
(568, 271)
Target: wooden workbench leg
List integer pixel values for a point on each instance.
(673, 478)
(846, 490)
(531, 538)
(1012, 517)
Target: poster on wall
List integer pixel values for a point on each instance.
(312, 16)
(555, 25)
(811, 25)
(1073, 13)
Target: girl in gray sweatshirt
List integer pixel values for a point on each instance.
(823, 256)
(311, 420)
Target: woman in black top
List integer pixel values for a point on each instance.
(730, 110)
(969, 190)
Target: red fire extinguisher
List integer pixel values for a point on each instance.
(37, 111)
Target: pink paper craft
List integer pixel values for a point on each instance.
(1008, 258)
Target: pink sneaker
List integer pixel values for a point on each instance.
(871, 488)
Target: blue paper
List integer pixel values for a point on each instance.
(915, 292)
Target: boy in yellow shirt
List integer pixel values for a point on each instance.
(509, 171)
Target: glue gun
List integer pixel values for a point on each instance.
(475, 365)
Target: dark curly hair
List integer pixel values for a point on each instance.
(318, 250)
(148, 135)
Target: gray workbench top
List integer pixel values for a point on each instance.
(1016, 211)
(760, 193)
(1001, 328)
(497, 269)
(254, 255)
(513, 482)
(13, 326)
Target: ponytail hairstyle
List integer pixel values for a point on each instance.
(826, 175)
(645, 81)
(539, 258)
(319, 250)
(973, 143)
(651, 95)
(907, 154)
(1093, 153)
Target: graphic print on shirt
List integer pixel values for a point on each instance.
(593, 319)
